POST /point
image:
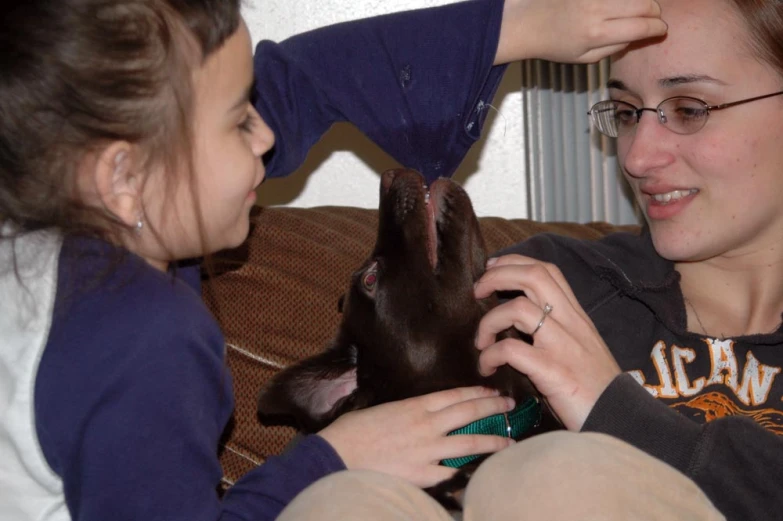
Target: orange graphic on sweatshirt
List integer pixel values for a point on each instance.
(712, 406)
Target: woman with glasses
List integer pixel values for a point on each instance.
(661, 353)
(671, 341)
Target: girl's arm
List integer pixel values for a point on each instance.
(419, 83)
(132, 396)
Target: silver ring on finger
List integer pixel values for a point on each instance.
(547, 311)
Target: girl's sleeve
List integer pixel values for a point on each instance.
(417, 83)
(132, 397)
(263, 493)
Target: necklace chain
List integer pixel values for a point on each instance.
(698, 318)
(722, 336)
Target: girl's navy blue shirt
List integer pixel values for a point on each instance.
(418, 85)
(132, 395)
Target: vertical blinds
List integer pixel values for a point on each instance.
(572, 169)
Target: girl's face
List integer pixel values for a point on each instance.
(229, 140)
(715, 193)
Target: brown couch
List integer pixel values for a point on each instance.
(276, 299)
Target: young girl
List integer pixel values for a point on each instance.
(670, 341)
(128, 143)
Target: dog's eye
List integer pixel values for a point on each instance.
(370, 278)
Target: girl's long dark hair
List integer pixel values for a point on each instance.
(78, 74)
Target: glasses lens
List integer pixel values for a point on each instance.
(684, 115)
(613, 118)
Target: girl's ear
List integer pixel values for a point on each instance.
(117, 182)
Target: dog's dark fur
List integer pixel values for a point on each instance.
(409, 317)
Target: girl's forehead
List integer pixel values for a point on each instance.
(228, 71)
(705, 38)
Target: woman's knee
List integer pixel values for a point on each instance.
(566, 475)
(359, 494)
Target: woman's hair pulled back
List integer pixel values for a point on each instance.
(79, 74)
(764, 20)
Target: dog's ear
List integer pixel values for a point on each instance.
(311, 391)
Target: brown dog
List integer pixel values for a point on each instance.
(409, 317)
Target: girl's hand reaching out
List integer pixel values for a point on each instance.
(568, 361)
(409, 438)
(575, 31)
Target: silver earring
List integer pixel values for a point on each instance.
(139, 225)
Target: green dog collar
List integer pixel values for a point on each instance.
(511, 425)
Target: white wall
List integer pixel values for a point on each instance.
(344, 168)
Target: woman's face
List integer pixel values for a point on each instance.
(715, 193)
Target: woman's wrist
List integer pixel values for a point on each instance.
(512, 44)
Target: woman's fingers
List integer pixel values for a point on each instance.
(520, 313)
(620, 21)
(620, 31)
(567, 360)
(542, 282)
(515, 273)
(518, 354)
(634, 8)
(575, 31)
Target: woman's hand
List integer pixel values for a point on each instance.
(568, 362)
(575, 31)
(408, 438)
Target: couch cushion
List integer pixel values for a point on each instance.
(276, 299)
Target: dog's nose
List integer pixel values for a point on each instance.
(387, 178)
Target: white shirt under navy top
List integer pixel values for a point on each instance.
(114, 390)
(115, 393)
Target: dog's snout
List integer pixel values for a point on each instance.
(387, 178)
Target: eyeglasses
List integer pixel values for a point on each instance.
(680, 114)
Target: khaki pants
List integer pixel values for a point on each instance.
(559, 476)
